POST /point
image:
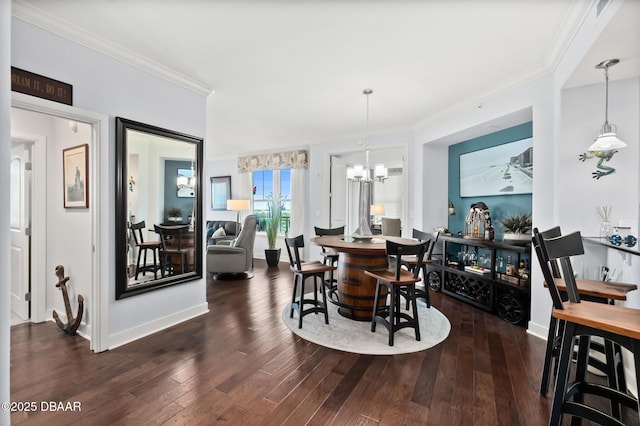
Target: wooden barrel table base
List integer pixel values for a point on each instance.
(356, 290)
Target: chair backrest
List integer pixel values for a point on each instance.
(176, 233)
(398, 250)
(391, 227)
(426, 236)
(136, 230)
(546, 270)
(247, 236)
(294, 244)
(559, 249)
(552, 233)
(328, 231)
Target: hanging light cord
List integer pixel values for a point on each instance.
(606, 95)
(366, 136)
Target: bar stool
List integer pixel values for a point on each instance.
(143, 247)
(302, 271)
(582, 320)
(330, 256)
(398, 281)
(591, 290)
(410, 262)
(173, 248)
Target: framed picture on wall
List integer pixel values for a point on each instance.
(220, 192)
(186, 183)
(499, 170)
(75, 168)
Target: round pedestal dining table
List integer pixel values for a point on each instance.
(356, 291)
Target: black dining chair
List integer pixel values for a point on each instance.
(411, 262)
(582, 321)
(594, 291)
(398, 281)
(143, 248)
(330, 257)
(301, 271)
(173, 249)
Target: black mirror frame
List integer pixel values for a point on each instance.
(122, 290)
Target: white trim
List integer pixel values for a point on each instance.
(132, 334)
(98, 300)
(33, 15)
(537, 330)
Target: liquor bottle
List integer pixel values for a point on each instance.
(521, 268)
(525, 275)
(510, 268)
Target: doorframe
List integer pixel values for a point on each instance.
(98, 197)
(401, 147)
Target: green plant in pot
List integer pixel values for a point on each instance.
(275, 206)
(174, 214)
(517, 228)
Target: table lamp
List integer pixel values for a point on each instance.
(238, 205)
(377, 210)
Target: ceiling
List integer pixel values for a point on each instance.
(291, 73)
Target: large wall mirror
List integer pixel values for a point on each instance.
(158, 208)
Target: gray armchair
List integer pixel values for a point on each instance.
(238, 257)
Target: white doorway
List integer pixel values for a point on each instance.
(391, 193)
(20, 230)
(45, 249)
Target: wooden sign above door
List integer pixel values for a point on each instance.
(40, 86)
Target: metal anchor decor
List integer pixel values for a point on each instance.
(72, 325)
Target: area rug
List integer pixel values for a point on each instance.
(355, 336)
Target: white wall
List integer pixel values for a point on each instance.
(582, 112)
(107, 86)
(5, 155)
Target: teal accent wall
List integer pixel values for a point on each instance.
(171, 198)
(499, 205)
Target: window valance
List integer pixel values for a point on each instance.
(274, 161)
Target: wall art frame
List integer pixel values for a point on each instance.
(504, 169)
(75, 176)
(220, 192)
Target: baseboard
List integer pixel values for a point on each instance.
(537, 330)
(144, 330)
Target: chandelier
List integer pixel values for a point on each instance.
(363, 171)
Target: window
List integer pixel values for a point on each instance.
(276, 183)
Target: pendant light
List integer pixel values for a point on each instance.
(607, 139)
(363, 172)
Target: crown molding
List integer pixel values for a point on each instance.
(48, 22)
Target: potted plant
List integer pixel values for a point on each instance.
(272, 226)
(517, 228)
(174, 214)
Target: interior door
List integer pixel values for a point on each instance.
(338, 208)
(20, 221)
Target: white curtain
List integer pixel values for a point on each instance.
(298, 183)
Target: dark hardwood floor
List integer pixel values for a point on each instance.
(239, 364)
